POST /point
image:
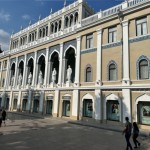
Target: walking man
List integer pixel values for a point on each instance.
(127, 132)
(4, 116)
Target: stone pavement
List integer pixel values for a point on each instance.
(60, 134)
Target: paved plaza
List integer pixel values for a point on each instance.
(58, 134)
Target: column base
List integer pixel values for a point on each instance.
(53, 84)
(68, 83)
(98, 83)
(126, 82)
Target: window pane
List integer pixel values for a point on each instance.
(138, 29)
(144, 28)
(115, 36)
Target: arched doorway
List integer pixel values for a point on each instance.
(41, 69)
(54, 64)
(30, 66)
(112, 108)
(12, 77)
(70, 61)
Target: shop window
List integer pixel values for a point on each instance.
(24, 104)
(66, 108)
(49, 104)
(144, 113)
(15, 104)
(143, 69)
(141, 26)
(112, 35)
(87, 108)
(113, 110)
(36, 106)
(89, 41)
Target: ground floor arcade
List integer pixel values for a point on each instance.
(103, 106)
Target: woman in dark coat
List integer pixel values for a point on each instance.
(135, 134)
(4, 116)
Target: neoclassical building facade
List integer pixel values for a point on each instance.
(82, 65)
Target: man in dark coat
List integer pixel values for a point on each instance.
(4, 116)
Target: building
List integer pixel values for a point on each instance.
(81, 65)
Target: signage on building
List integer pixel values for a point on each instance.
(66, 97)
(49, 97)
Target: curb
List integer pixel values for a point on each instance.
(142, 133)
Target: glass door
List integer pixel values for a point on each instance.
(36, 106)
(49, 105)
(24, 104)
(66, 108)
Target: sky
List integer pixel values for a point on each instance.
(17, 13)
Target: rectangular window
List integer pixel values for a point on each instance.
(141, 26)
(112, 37)
(89, 41)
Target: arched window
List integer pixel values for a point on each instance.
(76, 18)
(66, 22)
(71, 20)
(143, 69)
(88, 74)
(112, 72)
(52, 28)
(46, 30)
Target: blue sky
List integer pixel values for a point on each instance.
(17, 13)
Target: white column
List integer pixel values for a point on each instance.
(125, 58)
(49, 73)
(19, 101)
(1, 70)
(10, 100)
(29, 101)
(98, 105)
(7, 74)
(41, 102)
(126, 104)
(34, 69)
(75, 104)
(56, 103)
(77, 66)
(16, 72)
(46, 67)
(25, 71)
(99, 57)
(60, 65)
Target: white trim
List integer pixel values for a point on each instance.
(70, 46)
(55, 50)
(20, 62)
(31, 57)
(40, 56)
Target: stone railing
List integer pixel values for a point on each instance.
(89, 20)
(134, 2)
(111, 11)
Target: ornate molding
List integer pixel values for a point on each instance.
(110, 45)
(88, 50)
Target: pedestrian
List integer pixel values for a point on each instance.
(135, 134)
(4, 116)
(127, 132)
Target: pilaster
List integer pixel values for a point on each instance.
(60, 65)
(34, 69)
(46, 67)
(99, 57)
(77, 66)
(125, 28)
